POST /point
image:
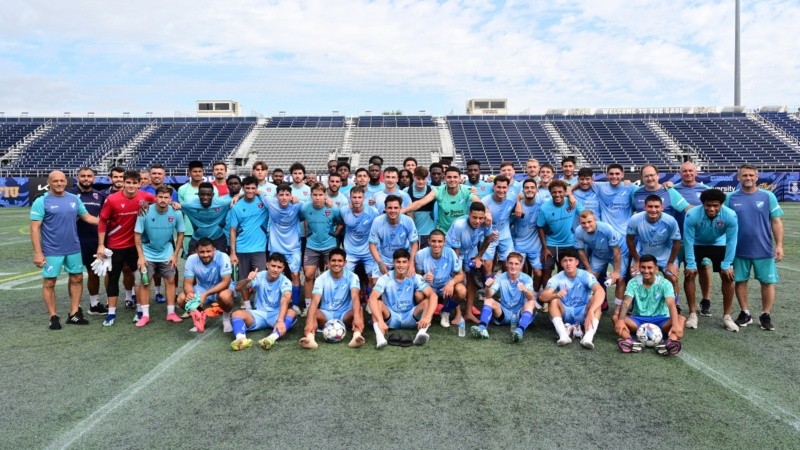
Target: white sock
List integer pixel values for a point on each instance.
(560, 328)
(588, 335)
(248, 305)
(171, 309)
(308, 302)
(112, 311)
(145, 310)
(226, 316)
(274, 335)
(93, 301)
(422, 331)
(139, 307)
(157, 289)
(378, 334)
(241, 336)
(128, 294)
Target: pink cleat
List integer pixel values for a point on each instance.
(143, 321)
(199, 320)
(172, 317)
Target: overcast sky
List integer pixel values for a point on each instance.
(313, 57)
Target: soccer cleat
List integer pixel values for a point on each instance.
(268, 342)
(160, 298)
(545, 307)
(199, 320)
(628, 345)
(479, 331)
(109, 320)
(185, 315)
(55, 322)
(705, 307)
(604, 306)
(669, 347)
(439, 309)
(691, 321)
(562, 341)
(143, 321)
(445, 320)
(587, 344)
(304, 312)
(516, 335)
(766, 322)
(98, 310)
(137, 317)
(174, 318)
(213, 311)
(476, 312)
(241, 344)
(227, 327)
(729, 324)
(77, 318)
(578, 333)
(421, 338)
(744, 319)
(130, 304)
(297, 310)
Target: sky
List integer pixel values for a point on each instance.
(314, 57)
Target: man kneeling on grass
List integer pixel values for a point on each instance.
(393, 299)
(271, 308)
(517, 304)
(335, 296)
(207, 280)
(653, 300)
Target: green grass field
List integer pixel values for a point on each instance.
(165, 387)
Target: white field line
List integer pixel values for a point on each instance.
(788, 268)
(86, 425)
(15, 242)
(781, 413)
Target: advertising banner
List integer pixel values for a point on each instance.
(14, 192)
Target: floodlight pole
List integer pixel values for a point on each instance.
(737, 76)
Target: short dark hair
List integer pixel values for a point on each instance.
(648, 258)
(615, 166)
(332, 175)
(567, 253)
(529, 180)
(653, 198)
(391, 169)
(284, 187)
(195, 164)
(547, 166)
(297, 166)
(260, 165)
(277, 257)
(477, 206)
(437, 232)
(473, 162)
(249, 180)
(410, 158)
(712, 195)
(205, 242)
(393, 198)
(361, 169)
(585, 172)
(376, 157)
(435, 165)
(501, 179)
(453, 169)
(132, 175)
(87, 168)
(157, 166)
(568, 159)
(164, 189)
(116, 169)
(343, 164)
(220, 163)
(401, 253)
(337, 251)
(205, 185)
(234, 177)
(356, 190)
(556, 184)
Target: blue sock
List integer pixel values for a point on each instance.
(449, 305)
(486, 277)
(288, 322)
(238, 326)
(525, 320)
(368, 291)
(486, 315)
(295, 295)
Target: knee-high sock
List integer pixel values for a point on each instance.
(486, 315)
(238, 326)
(296, 296)
(449, 305)
(525, 320)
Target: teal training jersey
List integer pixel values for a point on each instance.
(158, 232)
(652, 301)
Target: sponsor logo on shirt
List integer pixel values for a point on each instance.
(759, 204)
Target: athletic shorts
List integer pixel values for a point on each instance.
(552, 261)
(574, 314)
(251, 261)
(710, 254)
(501, 248)
(505, 315)
(704, 261)
(366, 261)
(120, 258)
(765, 270)
(376, 269)
(220, 243)
(601, 266)
(88, 252)
(71, 263)
(315, 258)
(658, 321)
(210, 299)
(533, 258)
(161, 269)
(263, 319)
(293, 261)
(402, 319)
(338, 314)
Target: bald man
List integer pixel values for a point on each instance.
(54, 235)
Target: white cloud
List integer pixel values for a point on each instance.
(359, 54)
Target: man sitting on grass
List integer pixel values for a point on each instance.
(516, 296)
(271, 308)
(394, 305)
(208, 274)
(335, 296)
(653, 300)
(575, 297)
(441, 268)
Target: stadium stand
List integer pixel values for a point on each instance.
(789, 123)
(396, 138)
(285, 140)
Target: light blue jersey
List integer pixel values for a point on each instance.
(268, 293)
(755, 212)
(356, 230)
(674, 204)
(511, 297)
(616, 206)
(465, 239)
(514, 188)
(501, 214)
(340, 199)
(399, 295)
(59, 230)
(321, 225)
(207, 222)
(389, 238)
(424, 218)
(345, 190)
(249, 218)
(380, 199)
(543, 195)
(654, 238)
(699, 229)
(600, 244)
(208, 275)
(268, 190)
(579, 289)
(692, 196)
(590, 200)
(525, 231)
(158, 231)
(187, 192)
(557, 223)
(444, 268)
(336, 292)
(283, 236)
(375, 188)
(303, 193)
(484, 188)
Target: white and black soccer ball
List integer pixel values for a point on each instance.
(649, 334)
(334, 331)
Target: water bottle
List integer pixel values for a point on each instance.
(145, 277)
(462, 328)
(235, 273)
(471, 265)
(514, 321)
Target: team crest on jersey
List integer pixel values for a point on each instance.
(141, 202)
(327, 213)
(260, 205)
(72, 205)
(759, 204)
(170, 219)
(720, 224)
(217, 209)
(96, 196)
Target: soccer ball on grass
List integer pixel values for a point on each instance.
(334, 331)
(649, 334)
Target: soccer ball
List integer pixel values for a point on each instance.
(334, 331)
(649, 335)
